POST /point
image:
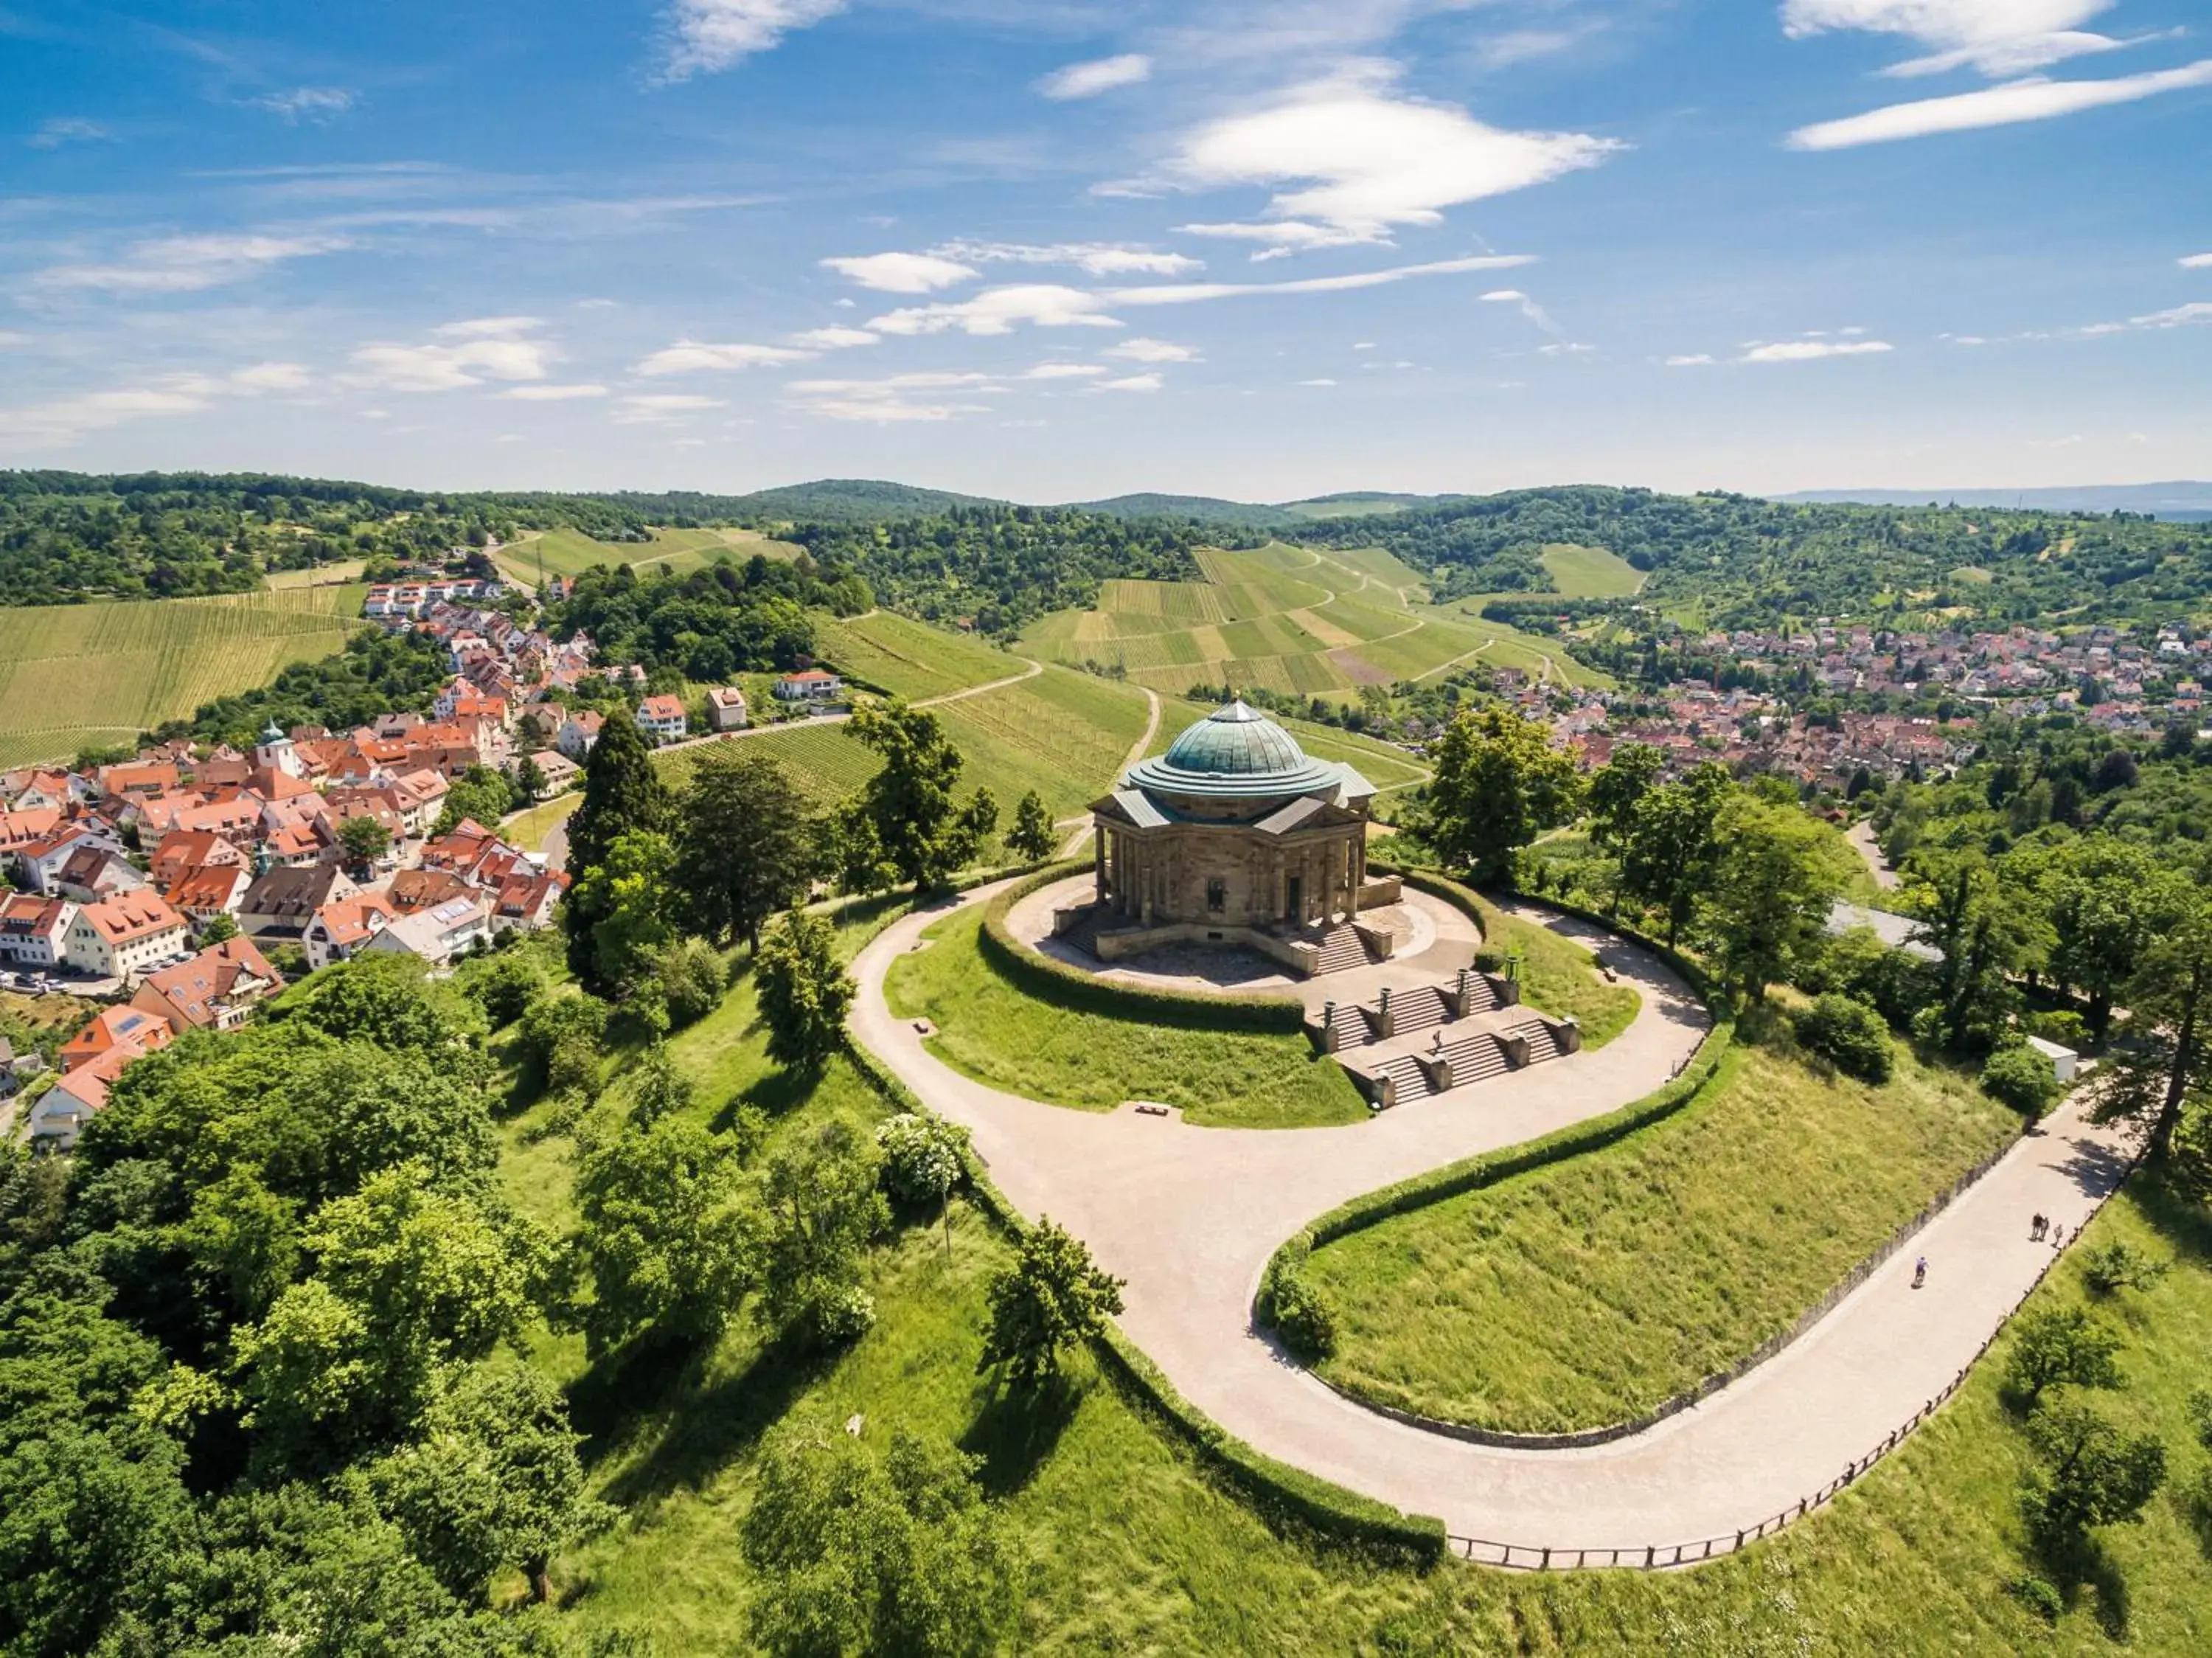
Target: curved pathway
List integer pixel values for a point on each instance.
(1189, 1216)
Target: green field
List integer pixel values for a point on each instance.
(1589, 1292)
(910, 659)
(999, 1034)
(1288, 619)
(1138, 1548)
(73, 676)
(566, 551)
(1591, 572)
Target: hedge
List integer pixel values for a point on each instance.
(1276, 1488)
(1039, 975)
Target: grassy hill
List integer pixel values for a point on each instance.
(1590, 572)
(1291, 619)
(75, 675)
(571, 552)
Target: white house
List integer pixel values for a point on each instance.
(33, 930)
(342, 926)
(812, 685)
(124, 937)
(439, 933)
(662, 718)
(577, 733)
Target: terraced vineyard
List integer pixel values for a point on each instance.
(1591, 572)
(75, 675)
(1290, 619)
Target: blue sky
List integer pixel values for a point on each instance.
(1055, 249)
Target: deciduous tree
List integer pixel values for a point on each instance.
(747, 843)
(822, 1208)
(804, 991)
(1033, 837)
(1498, 785)
(1051, 1296)
(665, 1239)
(907, 822)
(1778, 872)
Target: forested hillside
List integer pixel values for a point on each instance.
(1743, 562)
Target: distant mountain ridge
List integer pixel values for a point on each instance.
(2183, 500)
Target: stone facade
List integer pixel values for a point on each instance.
(1233, 836)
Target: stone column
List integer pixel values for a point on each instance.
(1098, 863)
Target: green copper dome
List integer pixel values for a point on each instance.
(1235, 750)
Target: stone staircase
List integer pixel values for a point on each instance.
(1454, 1056)
(1477, 1059)
(1409, 1080)
(1349, 1025)
(1543, 1044)
(1342, 948)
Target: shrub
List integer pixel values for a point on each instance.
(504, 986)
(2038, 1595)
(1847, 1031)
(921, 1156)
(2060, 1025)
(1305, 1317)
(2020, 1077)
(560, 1043)
(2200, 1415)
(689, 975)
(2112, 1267)
(2057, 1347)
(1490, 959)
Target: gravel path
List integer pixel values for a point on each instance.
(1190, 1215)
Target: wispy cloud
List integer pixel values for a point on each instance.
(308, 103)
(551, 393)
(1066, 371)
(2032, 99)
(182, 265)
(1998, 37)
(2196, 262)
(1050, 304)
(1096, 258)
(895, 399)
(662, 408)
(1692, 360)
(834, 339)
(706, 35)
(62, 421)
(1088, 80)
(457, 356)
(67, 130)
(1144, 383)
(1812, 350)
(689, 356)
(1371, 162)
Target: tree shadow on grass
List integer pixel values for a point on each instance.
(1015, 1431)
(776, 1094)
(704, 1425)
(2176, 1216)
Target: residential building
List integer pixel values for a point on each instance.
(284, 898)
(33, 930)
(124, 938)
(725, 709)
(216, 990)
(93, 873)
(578, 732)
(661, 718)
(58, 1115)
(812, 685)
(437, 934)
(128, 1026)
(213, 889)
(183, 850)
(342, 926)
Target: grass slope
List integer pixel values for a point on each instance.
(75, 674)
(989, 1030)
(1136, 1547)
(1590, 1291)
(566, 552)
(1590, 572)
(909, 659)
(1288, 619)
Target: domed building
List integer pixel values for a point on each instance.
(1235, 836)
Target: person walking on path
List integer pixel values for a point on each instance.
(2040, 1226)
(1920, 1272)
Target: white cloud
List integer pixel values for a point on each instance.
(1322, 380)
(706, 35)
(835, 340)
(886, 401)
(1049, 305)
(689, 356)
(2196, 262)
(184, 264)
(64, 420)
(997, 310)
(67, 130)
(551, 393)
(1095, 259)
(1528, 307)
(1065, 371)
(657, 408)
(1100, 74)
(271, 377)
(1141, 349)
(1152, 383)
(307, 103)
(2180, 316)
(1375, 161)
(901, 273)
(2031, 99)
(1996, 37)
(1363, 344)
(1692, 360)
(1809, 350)
(458, 355)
